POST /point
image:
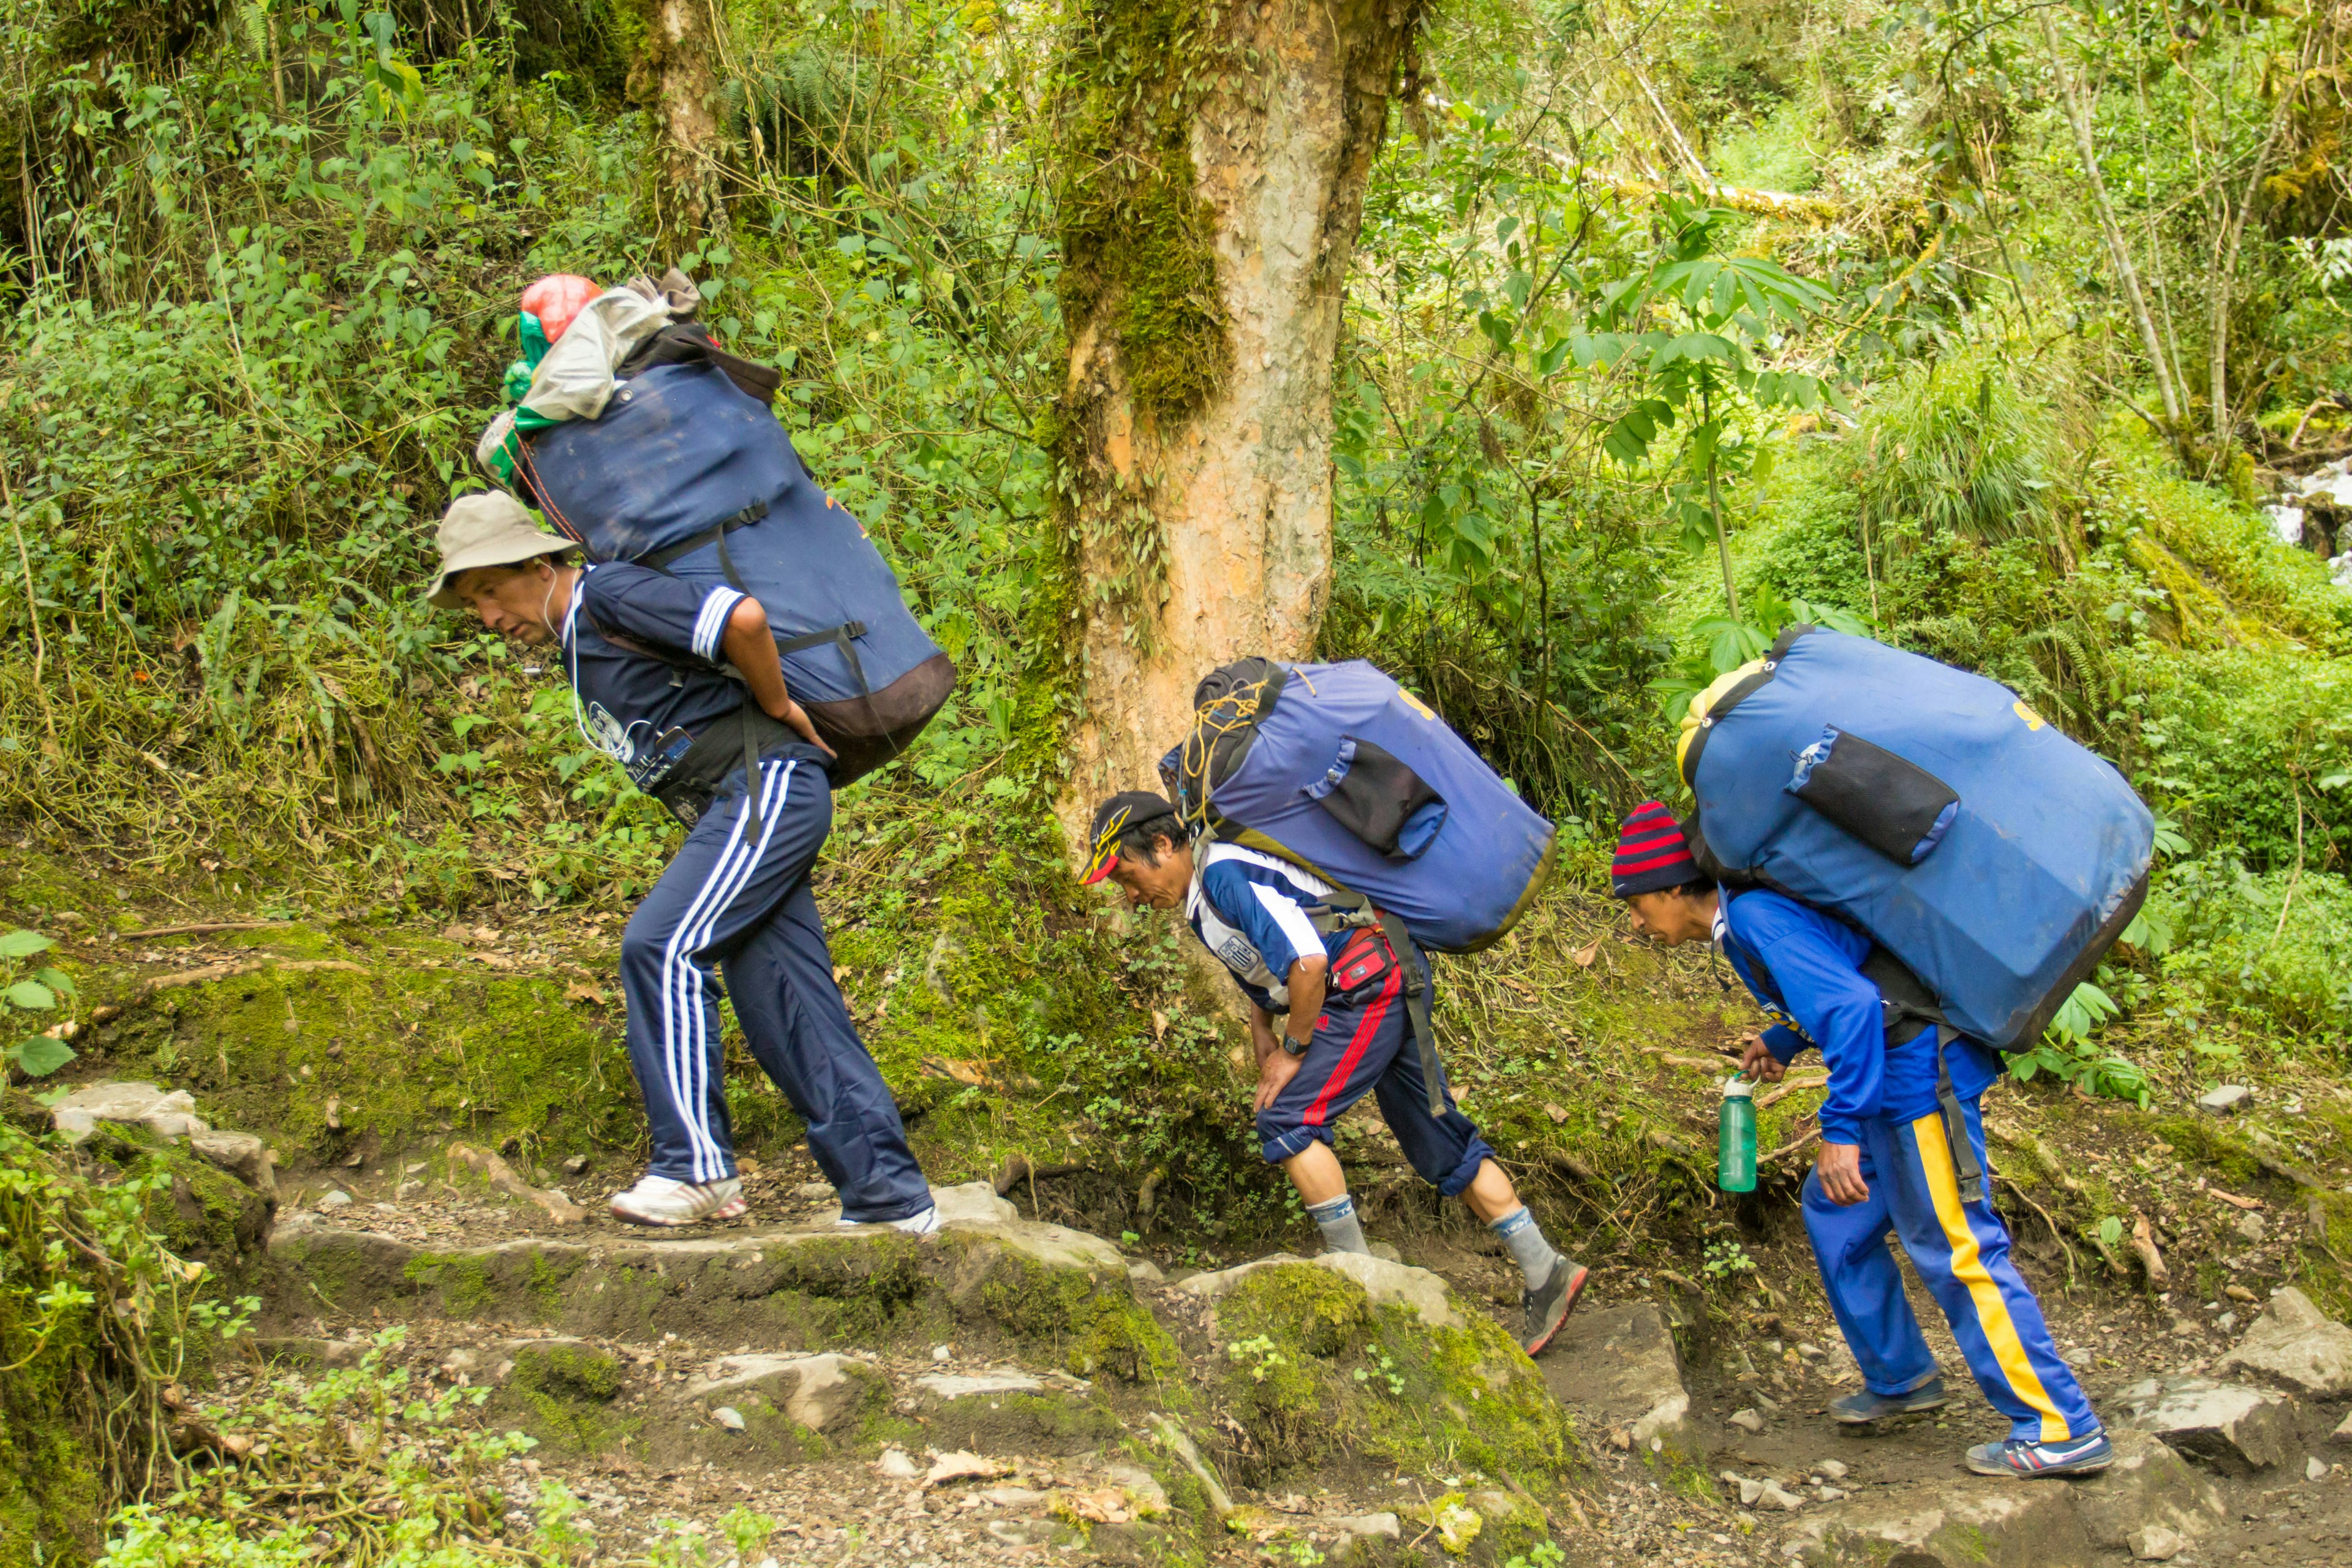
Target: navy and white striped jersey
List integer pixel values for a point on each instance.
(633, 706)
(1250, 909)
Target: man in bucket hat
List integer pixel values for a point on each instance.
(1886, 1162)
(674, 684)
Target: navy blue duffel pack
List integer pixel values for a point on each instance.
(686, 473)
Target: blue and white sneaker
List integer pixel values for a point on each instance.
(2019, 1457)
(1860, 1409)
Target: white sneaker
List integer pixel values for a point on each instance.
(921, 1224)
(658, 1200)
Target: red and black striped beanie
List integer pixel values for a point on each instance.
(1651, 853)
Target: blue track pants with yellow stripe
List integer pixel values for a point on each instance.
(1960, 1248)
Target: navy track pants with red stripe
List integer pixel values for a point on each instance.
(1362, 1044)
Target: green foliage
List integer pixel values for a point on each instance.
(99, 1317)
(1952, 447)
(28, 994)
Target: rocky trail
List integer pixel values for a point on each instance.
(1013, 1391)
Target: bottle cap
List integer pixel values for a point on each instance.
(1737, 1087)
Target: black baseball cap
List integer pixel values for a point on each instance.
(1113, 818)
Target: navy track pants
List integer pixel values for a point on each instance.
(1363, 1043)
(742, 905)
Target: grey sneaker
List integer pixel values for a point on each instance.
(2077, 1456)
(1861, 1409)
(1548, 1304)
(658, 1200)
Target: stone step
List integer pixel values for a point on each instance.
(985, 1272)
(1980, 1523)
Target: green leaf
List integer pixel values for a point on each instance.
(2111, 1230)
(30, 994)
(57, 980)
(23, 944)
(41, 1056)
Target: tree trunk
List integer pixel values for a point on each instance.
(1209, 208)
(2225, 266)
(676, 76)
(2078, 115)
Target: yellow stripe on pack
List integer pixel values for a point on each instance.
(1967, 1267)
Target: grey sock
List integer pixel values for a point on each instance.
(1337, 1220)
(1526, 1240)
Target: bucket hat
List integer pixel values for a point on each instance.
(489, 529)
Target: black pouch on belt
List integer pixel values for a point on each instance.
(686, 791)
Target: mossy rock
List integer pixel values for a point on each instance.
(1088, 1313)
(332, 1050)
(565, 1396)
(1311, 1368)
(1040, 1421)
(197, 1210)
(787, 1290)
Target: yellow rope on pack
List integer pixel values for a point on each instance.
(1212, 722)
(1693, 721)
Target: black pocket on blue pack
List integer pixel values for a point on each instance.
(1376, 796)
(1896, 806)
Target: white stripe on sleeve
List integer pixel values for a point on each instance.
(711, 623)
(1304, 942)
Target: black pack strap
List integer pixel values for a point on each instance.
(716, 534)
(807, 641)
(1416, 1009)
(1353, 912)
(685, 792)
(1956, 1125)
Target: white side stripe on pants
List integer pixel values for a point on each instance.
(685, 1019)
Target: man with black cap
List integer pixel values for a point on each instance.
(1328, 1020)
(674, 683)
(1887, 1161)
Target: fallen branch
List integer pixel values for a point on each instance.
(1819, 1080)
(1704, 1064)
(1791, 1147)
(2053, 1224)
(560, 1209)
(225, 971)
(1567, 1165)
(202, 928)
(2234, 1200)
(1019, 1168)
(2143, 1242)
(1147, 1196)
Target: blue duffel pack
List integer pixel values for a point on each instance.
(687, 472)
(1338, 769)
(1996, 859)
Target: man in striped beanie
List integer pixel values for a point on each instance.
(1654, 872)
(1886, 1164)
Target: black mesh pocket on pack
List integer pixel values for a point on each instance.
(1897, 807)
(1380, 799)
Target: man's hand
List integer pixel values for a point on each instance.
(790, 712)
(1274, 1071)
(1840, 1169)
(752, 651)
(1758, 1062)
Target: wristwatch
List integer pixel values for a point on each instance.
(1294, 1048)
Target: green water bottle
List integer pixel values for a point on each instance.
(1735, 1152)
